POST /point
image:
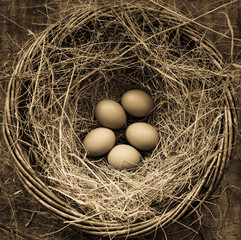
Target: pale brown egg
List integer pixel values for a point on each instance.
(123, 156)
(142, 136)
(110, 114)
(99, 141)
(137, 103)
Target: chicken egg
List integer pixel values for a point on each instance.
(137, 103)
(142, 136)
(123, 156)
(99, 141)
(110, 114)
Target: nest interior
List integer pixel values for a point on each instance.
(101, 52)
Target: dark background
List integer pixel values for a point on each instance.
(21, 217)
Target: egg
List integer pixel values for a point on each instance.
(110, 114)
(99, 141)
(137, 103)
(123, 156)
(142, 136)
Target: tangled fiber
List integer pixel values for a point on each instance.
(100, 52)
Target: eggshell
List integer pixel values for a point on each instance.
(123, 156)
(110, 114)
(142, 135)
(137, 103)
(99, 141)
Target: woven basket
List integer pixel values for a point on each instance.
(44, 195)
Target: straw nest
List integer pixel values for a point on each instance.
(100, 52)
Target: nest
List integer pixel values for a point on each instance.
(100, 52)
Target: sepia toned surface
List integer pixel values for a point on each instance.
(21, 217)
